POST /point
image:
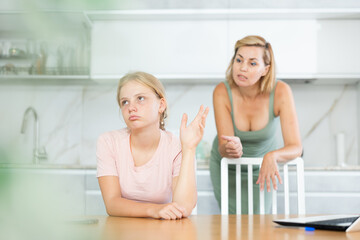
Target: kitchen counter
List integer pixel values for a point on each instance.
(328, 190)
(47, 166)
(333, 168)
(199, 168)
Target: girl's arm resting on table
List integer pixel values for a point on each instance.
(184, 186)
(229, 145)
(119, 206)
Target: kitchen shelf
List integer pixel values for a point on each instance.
(216, 78)
(176, 79)
(22, 57)
(224, 14)
(168, 78)
(58, 22)
(46, 80)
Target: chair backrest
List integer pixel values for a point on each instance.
(250, 162)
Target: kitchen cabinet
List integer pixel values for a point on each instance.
(45, 46)
(44, 191)
(94, 204)
(77, 191)
(326, 192)
(167, 48)
(195, 45)
(290, 49)
(179, 45)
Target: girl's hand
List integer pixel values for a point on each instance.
(191, 135)
(269, 170)
(170, 211)
(233, 147)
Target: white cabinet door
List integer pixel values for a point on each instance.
(159, 47)
(44, 192)
(94, 203)
(294, 42)
(206, 203)
(338, 47)
(326, 192)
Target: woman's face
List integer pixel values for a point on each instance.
(140, 106)
(248, 66)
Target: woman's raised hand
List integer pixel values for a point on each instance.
(191, 135)
(233, 147)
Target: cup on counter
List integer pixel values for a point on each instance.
(203, 154)
(6, 48)
(1, 48)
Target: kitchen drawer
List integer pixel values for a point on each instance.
(203, 180)
(207, 203)
(50, 191)
(91, 181)
(94, 204)
(324, 203)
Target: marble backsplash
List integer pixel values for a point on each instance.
(72, 117)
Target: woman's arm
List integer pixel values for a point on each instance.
(289, 124)
(118, 206)
(284, 107)
(229, 145)
(184, 185)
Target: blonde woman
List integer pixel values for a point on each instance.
(248, 106)
(144, 170)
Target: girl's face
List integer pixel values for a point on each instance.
(249, 66)
(140, 106)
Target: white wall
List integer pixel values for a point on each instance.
(71, 117)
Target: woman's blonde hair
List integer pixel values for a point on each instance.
(267, 82)
(150, 81)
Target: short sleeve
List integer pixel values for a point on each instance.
(105, 156)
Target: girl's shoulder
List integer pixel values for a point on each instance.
(114, 135)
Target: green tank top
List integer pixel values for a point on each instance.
(255, 143)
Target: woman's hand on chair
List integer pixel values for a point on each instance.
(268, 171)
(233, 147)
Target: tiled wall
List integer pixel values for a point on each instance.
(72, 117)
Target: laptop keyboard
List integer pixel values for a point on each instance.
(337, 222)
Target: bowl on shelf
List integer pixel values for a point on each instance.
(16, 52)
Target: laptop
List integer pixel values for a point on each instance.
(347, 223)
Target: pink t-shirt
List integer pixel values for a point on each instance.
(151, 182)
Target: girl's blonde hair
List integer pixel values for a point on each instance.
(150, 81)
(267, 82)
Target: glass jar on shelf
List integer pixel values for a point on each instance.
(203, 155)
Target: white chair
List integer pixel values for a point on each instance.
(225, 162)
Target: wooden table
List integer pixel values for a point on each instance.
(206, 227)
